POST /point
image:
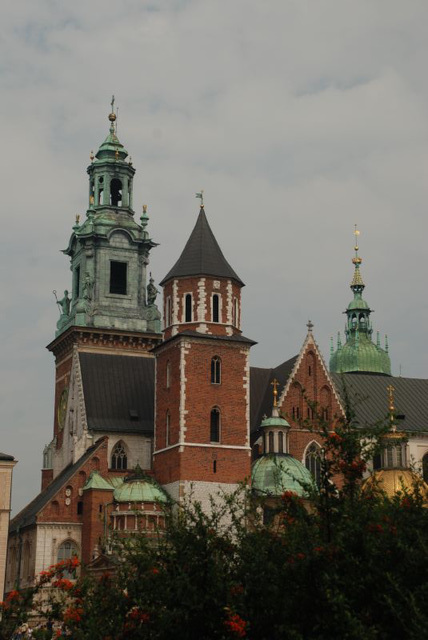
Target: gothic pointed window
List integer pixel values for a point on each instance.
(215, 370)
(66, 551)
(215, 425)
(119, 459)
(215, 308)
(313, 461)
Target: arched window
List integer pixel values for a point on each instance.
(188, 307)
(215, 425)
(425, 467)
(313, 461)
(168, 374)
(215, 308)
(215, 370)
(271, 443)
(167, 428)
(67, 550)
(116, 193)
(280, 442)
(118, 457)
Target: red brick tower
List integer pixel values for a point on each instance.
(202, 440)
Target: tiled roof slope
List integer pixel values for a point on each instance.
(369, 398)
(261, 390)
(6, 456)
(27, 516)
(119, 392)
(202, 255)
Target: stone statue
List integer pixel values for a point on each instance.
(88, 285)
(64, 304)
(152, 292)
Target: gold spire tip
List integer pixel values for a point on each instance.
(275, 385)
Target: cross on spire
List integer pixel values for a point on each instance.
(275, 385)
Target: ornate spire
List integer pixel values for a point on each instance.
(357, 284)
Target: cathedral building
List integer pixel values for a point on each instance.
(145, 410)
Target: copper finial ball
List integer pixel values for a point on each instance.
(112, 117)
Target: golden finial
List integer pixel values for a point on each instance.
(275, 385)
(77, 218)
(91, 199)
(357, 259)
(91, 155)
(116, 154)
(144, 208)
(112, 115)
(130, 161)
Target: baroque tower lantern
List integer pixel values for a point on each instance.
(359, 354)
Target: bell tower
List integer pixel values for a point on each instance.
(112, 308)
(202, 441)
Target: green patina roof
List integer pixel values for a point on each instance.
(358, 303)
(360, 355)
(95, 481)
(275, 473)
(139, 489)
(111, 144)
(274, 421)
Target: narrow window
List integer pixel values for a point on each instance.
(294, 413)
(215, 466)
(215, 309)
(167, 429)
(188, 303)
(313, 461)
(116, 193)
(399, 452)
(119, 458)
(271, 445)
(215, 425)
(168, 374)
(297, 413)
(118, 277)
(77, 282)
(79, 508)
(168, 313)
(215, 370)
(309, 370)
(236, 313)
(389, 457)
(280, 442)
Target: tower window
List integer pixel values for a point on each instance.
(119, 458)
(118, 277)
(215, 308)
(168, 374)
(215, 370)
(271, 443)
(215, 425)
(116, 193)
(168, 313)
(188, 304)
(214, 466)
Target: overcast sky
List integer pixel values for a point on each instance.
(299, 118)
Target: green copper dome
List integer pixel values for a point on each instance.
(359, 354)
(275, 473)
(138, 488)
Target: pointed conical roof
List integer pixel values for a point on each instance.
(202, 256)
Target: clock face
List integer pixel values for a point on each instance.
(62, 408)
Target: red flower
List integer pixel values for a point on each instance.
(236, 625)
(300, 556)
(63, 583)
(155, 571)
(13, 595)
(73, 615)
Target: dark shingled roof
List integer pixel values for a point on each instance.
(28, 515)
(368, 396)
(6, 456)
(190, 333)
(202, 255)
(119, 392)
(261, 390)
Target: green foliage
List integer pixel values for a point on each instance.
(351, 564)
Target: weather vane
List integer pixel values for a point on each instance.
(200, 195)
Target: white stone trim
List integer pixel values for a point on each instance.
(201, 309)
(205, 446)
(229, 305)
(184, 350)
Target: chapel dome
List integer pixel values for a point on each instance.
(139, 490)
(273, 474)
(392, 481)
(362, 356)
